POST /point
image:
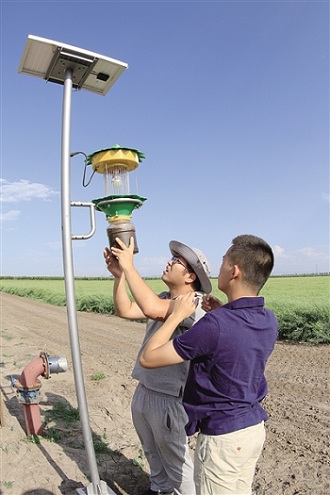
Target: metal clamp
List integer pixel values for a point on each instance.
(28, 395)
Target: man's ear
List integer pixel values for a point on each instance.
(235, 271)
(191, 277)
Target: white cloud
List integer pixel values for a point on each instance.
(308, 251)
(23, 190)
(279, 252)
(10, 215)
(304, 260)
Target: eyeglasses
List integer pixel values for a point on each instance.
(175, 260)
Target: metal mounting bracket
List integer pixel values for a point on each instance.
(91, 206)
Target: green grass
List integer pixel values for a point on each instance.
(303, 292)
(301, 303)
(98, 376)
(8, 484)
(91, 294)
(64, 414)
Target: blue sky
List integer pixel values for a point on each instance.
(229, 101)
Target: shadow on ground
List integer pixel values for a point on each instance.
(121, 474)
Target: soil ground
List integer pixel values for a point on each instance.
(295, 460)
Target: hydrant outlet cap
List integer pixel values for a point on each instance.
(57, 364)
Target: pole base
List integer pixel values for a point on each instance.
(102, 489)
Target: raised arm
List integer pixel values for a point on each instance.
(151, 305)
(125, 308)
(159, 350)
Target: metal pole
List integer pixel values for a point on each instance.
(97, 487)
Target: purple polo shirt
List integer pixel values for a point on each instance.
(228, 348)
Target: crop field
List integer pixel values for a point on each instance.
(301, 303)
(313, 291)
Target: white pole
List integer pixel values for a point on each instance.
(97, 487)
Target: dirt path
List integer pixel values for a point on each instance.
(295, 460)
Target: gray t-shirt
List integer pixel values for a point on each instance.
(169, 380)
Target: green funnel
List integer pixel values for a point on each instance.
(118, 206)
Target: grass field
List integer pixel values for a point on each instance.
(301, 304)
(297, 291)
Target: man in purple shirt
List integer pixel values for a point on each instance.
(228, 350)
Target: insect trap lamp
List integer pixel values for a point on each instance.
(118, 204)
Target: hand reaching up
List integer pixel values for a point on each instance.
(112, 263)
(209, 303)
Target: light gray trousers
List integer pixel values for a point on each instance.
(160, 420)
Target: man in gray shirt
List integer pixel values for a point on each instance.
(157, 410)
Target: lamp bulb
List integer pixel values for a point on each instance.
(116, 181)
